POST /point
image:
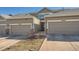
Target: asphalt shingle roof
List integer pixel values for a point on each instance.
(20, 16)
(70, 12)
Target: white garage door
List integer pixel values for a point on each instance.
(66, 27)
(20, 29)
(2, 29)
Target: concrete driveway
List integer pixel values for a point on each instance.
(50, 45)
(5, 43)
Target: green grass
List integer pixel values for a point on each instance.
(26, 45)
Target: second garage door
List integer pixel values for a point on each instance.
(2, 29)
(66, 27)
(20, 29)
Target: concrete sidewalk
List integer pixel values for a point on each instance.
(5, 43)
(59, 46)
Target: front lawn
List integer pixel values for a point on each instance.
(27, 45)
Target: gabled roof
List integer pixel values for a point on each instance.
(48, 10)
(44, 9)
(39, 11)
(69, 12)
(20, 16)
(5, 16)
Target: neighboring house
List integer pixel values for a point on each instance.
(3, 24)
(64, 22)
(18, 25)
(23, 24)
(42, 13)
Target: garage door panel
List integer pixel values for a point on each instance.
(63, 27)
(54, 27)
(2, 29)
(20, 29)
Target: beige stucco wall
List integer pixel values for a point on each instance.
(36, 24)
(11, 21)
(62, 17)
(36, 20)
(3, 21)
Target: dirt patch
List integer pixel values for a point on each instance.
(30, 44)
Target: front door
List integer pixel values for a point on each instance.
(42, 26)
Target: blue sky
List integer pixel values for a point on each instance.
(16, 10)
